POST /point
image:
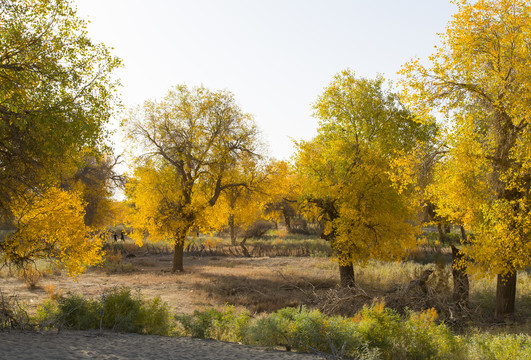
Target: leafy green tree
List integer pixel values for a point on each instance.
(479, 79)
(345, 169)
(56, 93)
(194, 140)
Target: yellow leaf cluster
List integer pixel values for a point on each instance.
(51, 226)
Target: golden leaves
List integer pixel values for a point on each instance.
(51, 225)
(479, 79)
(346, 169)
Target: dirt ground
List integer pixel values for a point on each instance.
(257, 284)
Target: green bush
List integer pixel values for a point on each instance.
(118, 310)
(75, 312)
(422, 338)
(158, 320)
(224, 325)
(375, 332)
(379, 327)
(303, 330)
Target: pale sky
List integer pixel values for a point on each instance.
(275, 56)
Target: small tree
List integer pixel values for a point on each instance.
(244, 204)
(282, 192)
(195, 139)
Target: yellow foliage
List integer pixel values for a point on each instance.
(346, 170)
(51, 226)
(424, 318)
(159, 210)
(194, 141)
(479, 81)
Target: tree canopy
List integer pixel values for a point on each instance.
(51, 225)
(479, 80)
(56, 93)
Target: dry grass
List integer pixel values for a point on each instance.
(265, 284)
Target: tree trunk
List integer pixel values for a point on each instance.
(244, 248)
(447, 228)
(178, 253)
(461, 282)
(287, 219)
(505, 296)
(463, 234)
(232, 230)
(441, 233)
(346, 275)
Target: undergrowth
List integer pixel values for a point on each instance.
(375, 332)
(119, 310)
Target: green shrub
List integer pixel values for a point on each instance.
(158, 320)
(47, 313)
(276, 329)
(224, 325)
(375, 332)
(122, 311)
(303, 330)
(422, 338)
(118, 310)
(379, 327)
(75, 312)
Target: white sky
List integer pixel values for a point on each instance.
(275, 56)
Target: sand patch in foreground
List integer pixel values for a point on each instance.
(90, 345)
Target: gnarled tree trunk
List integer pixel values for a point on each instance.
(244, 248)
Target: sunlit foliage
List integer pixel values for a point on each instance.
(193, 142)
(345, 169)
(51, 226)
(479, 80)
(56, 93)
(283, 191)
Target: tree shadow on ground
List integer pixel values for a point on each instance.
(265, 293)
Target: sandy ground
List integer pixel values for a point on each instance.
(92, 345)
